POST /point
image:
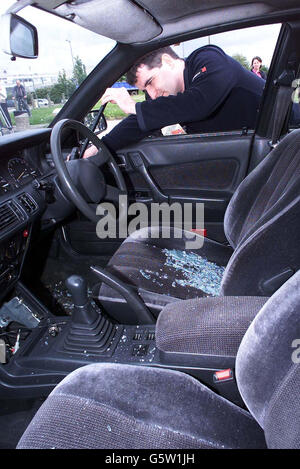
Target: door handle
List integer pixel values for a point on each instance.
(139, 164)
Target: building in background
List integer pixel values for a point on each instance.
(31, 81)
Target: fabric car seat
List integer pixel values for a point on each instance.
(262, 226)
(125, 406)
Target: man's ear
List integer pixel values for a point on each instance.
(166, 59)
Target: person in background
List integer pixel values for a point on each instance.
(256, 67)
(3, 105)
(20, 96)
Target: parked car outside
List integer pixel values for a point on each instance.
(42, 102)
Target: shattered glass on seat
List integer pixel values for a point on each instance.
(156, 276)
(197, 271)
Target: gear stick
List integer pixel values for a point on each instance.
(89, 331)
(84, 312)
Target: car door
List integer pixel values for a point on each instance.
(196, 168)
(201, 168)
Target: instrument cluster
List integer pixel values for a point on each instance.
(14, 173)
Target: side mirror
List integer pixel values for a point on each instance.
(90, 119)
(19, 38)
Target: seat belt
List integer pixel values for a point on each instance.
(282, 105)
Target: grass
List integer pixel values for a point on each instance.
(44, 115)
(112, 111)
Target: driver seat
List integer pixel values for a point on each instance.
(262, 226)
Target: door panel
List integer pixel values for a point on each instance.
(188, 168)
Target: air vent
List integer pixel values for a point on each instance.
(27, 203)
(9, 215)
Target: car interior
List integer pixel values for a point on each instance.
(135, 341)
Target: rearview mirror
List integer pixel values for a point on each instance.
(19, 38)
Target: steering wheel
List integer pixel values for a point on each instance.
(94, 188)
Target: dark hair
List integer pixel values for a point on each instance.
(152, 59)
(256, 58)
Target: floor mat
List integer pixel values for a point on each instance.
(50, 287)
(53, 280)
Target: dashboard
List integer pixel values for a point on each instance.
(22, 159)
(23, 170)
(30, 196)
(16, 172)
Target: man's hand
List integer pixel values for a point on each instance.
(91, 151)
(121, 97)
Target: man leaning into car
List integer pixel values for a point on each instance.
(207, 92)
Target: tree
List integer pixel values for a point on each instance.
(265, 69)
(79, 71)
(64, 88)
(30, 98)
(56, 93)
(43, 92)
(242, 60)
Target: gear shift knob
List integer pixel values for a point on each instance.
(84, 312)
(78, 288)
(88, 332)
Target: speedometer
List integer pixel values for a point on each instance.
(20, 170)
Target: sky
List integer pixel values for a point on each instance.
(55, 50)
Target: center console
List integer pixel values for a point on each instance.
(199, 337)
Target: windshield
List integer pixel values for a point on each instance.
(33, 91)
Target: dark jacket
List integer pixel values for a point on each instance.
(220, 95)
(262, 74)
(19, 91)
